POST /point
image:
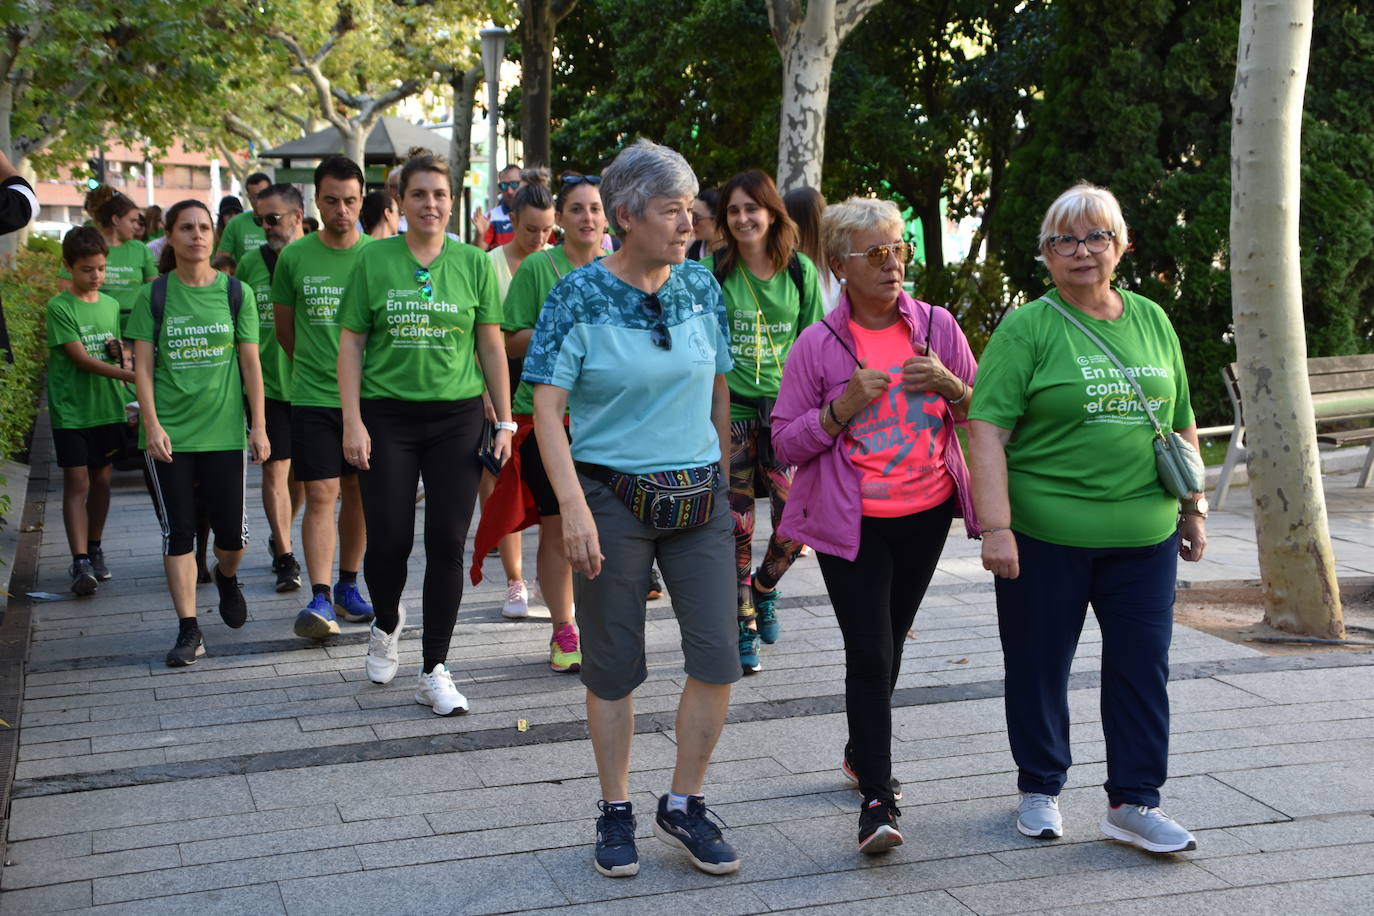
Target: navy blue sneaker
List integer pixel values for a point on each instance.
(317, 620)
(693, 833)
(766, 608)
(350, 603)
(616, 856)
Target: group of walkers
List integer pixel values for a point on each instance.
(659, 396)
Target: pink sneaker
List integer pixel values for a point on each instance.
(565, 654)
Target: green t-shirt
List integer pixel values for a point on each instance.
(276, 365)
(127, 267)
(310, 279)
(1080, 467)
(759, 347)
(418, 349)
(525, 300)
(78, 399)
(196, 383)
(241, 235)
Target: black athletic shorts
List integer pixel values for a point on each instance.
(92, 447)
(317, 443)
(534, 475)
(278, 416)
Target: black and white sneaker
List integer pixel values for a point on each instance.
(189, 647)
(288, 572)
(878, 827)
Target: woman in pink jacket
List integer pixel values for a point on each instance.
(869, 399)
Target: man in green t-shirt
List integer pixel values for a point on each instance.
(243, 234)
(306, 290)
(85, 400)
(281, 210)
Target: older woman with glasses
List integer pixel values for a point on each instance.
(867, 408)
(635, 347)
(1076, 515)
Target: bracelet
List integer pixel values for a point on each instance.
(960, 399)
(508, 427)
(831, 407)
(992, 530)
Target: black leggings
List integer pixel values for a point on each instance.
(179, 486)
(875, 598)
(411, 439)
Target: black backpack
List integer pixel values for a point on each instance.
(158, 302)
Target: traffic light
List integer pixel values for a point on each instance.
(97, 166)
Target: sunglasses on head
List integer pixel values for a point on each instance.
(878, 254)
(508, 185)
(570, 180)
(654, 309)
(426, 287)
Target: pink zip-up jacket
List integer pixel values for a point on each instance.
(825, 504)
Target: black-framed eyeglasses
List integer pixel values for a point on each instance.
(877, 255)
(426, 287)
(654, 309)
(1066, 246)
(701, 218)
(569, 180)
(508, 185)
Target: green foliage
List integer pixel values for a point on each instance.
(46, 246)
(24, 291)
(701, 76)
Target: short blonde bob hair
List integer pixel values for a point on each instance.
(839, 222)
(1086, 203)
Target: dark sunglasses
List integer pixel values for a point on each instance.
(654, 309)
(508, 185)
(570, 180)
(270, 220)
(426, 287)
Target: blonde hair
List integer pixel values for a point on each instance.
(1084, 203)
(839, 222)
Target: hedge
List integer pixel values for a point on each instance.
(24, 291)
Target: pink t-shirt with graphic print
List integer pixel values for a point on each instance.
(898, 441)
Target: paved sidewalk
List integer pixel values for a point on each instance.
(273, 778)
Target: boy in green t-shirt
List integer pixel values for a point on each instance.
(85, 400)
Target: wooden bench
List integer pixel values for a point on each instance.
(1342, 393)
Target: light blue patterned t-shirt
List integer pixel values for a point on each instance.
(635, 406)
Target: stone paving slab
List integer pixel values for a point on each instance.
(1269, 764)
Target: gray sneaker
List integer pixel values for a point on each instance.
(1149, 828)
(83, 577)
(1038, 815)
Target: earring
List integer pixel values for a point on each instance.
(844, 281)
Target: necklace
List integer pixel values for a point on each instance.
(760, 330)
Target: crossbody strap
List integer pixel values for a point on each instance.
(1144, 401)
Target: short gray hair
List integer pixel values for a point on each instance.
(839, 222)
(642, 171)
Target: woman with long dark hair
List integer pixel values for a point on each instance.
(770, 296)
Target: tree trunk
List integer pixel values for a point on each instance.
(538, 26)
(807, 57)
(1295, 557)
(355, 139)
(460, 146)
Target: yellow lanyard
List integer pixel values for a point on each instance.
(760, 330)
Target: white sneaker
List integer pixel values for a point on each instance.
(384, 651)
(437, 692)
(517, 600)
(1146, 827)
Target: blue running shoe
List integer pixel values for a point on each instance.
(317, 621)
(616, 856)
(351, 604)
(766, 608)
(748, 648)
(693, 833)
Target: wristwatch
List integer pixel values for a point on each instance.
(508, 427)
(1196, 507)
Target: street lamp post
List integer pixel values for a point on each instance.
(493, 51)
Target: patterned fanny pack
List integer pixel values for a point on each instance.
(665, 500)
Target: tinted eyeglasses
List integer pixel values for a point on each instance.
(508, 185)
(877, 255)
(426, 287)
(269, 220)
(1066, 246)
(654, 309)
(569, 180)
